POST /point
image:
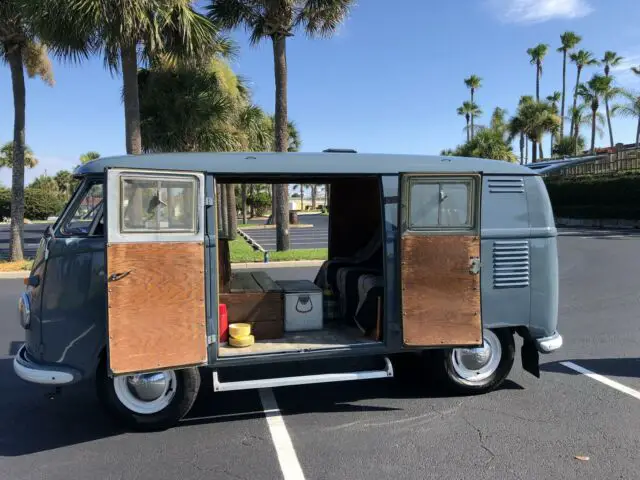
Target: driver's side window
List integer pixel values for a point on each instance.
(87, 214)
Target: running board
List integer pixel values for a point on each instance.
(302, 380)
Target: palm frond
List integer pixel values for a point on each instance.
(322, 17)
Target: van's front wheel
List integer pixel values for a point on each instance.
(482, 369)
(148, 401)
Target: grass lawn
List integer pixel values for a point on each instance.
(7, 266)
(242, 252)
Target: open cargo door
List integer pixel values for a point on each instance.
(155, 270)
(440, 260)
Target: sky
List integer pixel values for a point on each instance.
(389, 81)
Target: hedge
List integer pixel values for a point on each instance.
(611, 197)
(39, 204)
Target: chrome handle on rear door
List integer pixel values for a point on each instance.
(118, 276)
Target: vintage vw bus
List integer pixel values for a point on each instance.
(442, 258)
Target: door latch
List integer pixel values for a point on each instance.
(474, 266)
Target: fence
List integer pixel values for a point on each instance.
(618, 161)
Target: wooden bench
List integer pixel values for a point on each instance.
(255, 298)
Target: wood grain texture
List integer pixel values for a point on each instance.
(156, 316)
(440, 298)
(255, 308)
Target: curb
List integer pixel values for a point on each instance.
(18, 274)
(285, 264)
(269, 227)
(237, 266)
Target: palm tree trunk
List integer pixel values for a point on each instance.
(526, 150)
(606, 104)
(576, 134)
(534, 151)
(564, 89)
(129, 60)
(301, 197)
(282, 138)
(468, 131)
(593, 131)
(472, 132)
(521, 148)
(244, 203)
(551, 146)
(575, 96)
(537, 82)
(638, 135)
(540, 148)
(232, 211)
(16, 252)
(251, 194)
(224, 211)
(314, 193)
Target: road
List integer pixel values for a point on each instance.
(32, 234)
(315, 236)
(383, 429)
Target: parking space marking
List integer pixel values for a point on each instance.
(291, 469)
(602, 379)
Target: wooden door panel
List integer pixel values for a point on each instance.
(156, 311)
(440, 297)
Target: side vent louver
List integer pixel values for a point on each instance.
(506, 185)
(510, 264)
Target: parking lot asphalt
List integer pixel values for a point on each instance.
(315, 236)
(383, 429)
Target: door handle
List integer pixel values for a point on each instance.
(118, 276)
(474, 266)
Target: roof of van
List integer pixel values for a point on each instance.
(302, 163)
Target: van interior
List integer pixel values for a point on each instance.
(340, 306)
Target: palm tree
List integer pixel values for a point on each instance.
(631, 110)
(581, 116)
(277, 21)
(534, 119)
(591, 93)
(22, 50)
(487, 143)
(89, 156)
(610, 59)
(123, 31)
(469, 111)
(569, 41)
(582, 58)
(537, 55)
(7, 156)
(473, 82)
(553, 100)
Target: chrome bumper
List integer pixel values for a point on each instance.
(32, 372)
(549, 344)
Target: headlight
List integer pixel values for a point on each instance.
(24, 311)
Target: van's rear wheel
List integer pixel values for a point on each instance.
(148, 401)
(482, 369)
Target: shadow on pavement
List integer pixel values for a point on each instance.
(615, 367)
(30, 422)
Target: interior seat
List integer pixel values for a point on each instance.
(370, 289)
(347, 289)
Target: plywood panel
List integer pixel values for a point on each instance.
(256, 308)
(156, 312)
(440, 298)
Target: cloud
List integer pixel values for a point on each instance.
(536, 11)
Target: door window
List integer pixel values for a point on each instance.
(440, 204)
(88, 208)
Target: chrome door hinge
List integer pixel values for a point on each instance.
(208, 201)
(211, 339)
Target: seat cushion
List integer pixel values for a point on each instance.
(370, 290)
(347, 285)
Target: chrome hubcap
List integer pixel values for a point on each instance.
(146, 393)
(148, 387)
(474, 365)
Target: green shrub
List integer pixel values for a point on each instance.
(40, 204)
(5, 203)
(614, 196)
(260, 202)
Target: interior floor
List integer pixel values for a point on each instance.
(331, 336)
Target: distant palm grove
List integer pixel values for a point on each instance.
(178, 91)
(587, 105)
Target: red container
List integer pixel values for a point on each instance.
(223, 323)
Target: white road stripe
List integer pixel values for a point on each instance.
(291, 469)
(602, 379)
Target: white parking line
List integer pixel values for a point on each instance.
(291, 469)
(602, 379)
